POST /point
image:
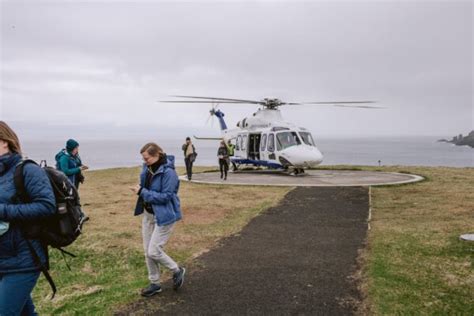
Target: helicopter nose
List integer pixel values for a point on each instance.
(303, 156)
(315, 157)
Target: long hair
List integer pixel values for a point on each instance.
(152, 149)
(9, 136)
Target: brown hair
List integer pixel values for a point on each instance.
(9, 136)
(152, 149)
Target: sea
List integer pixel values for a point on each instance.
(385, 151)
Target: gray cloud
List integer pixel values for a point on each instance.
(108, 62)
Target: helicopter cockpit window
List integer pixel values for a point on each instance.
(263, 142)
(271, 143)
(307, 138)
(287, 139)
(237, 143)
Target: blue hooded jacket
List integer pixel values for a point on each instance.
(15, 255)
(162, 195)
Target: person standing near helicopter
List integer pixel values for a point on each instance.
(231, 150)
(189, 156)
(223, 155)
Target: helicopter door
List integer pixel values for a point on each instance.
(244, 147)
(271, 147)
(254, 146)
(263, 147)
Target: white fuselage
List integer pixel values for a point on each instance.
(265, 139)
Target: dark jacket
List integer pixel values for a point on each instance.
(185, 147)
(222, 151)
(162, 194)
(15, 255)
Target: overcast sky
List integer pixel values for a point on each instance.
(91, 63)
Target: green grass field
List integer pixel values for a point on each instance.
(414, 262)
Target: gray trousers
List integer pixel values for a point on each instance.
(154, 239)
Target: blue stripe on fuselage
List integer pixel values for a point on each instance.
(264, 163)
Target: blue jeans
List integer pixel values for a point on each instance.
(15, 293)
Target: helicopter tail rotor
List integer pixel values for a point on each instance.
(212, 112)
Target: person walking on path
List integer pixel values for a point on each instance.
(189, 156)
(223, 155)
(18, 270)
(159, 202)
(69, 162)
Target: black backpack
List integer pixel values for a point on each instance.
(59, 230)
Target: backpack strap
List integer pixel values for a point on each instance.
(19, 181)
(42, 267)
(22, 196)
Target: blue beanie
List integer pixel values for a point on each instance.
(71, 144)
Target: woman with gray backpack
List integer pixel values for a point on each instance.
(18, 270)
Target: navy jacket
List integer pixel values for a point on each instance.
(15, 255)
(162, 195)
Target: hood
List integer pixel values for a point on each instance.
(169, 164)
(60, 154)
(170, 161)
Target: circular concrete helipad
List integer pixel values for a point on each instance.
(310, 178)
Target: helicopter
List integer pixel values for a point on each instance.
(265, 139)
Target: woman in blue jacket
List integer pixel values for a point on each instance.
(159, 202)
(18, 271)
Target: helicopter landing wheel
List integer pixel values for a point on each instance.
(298, 171)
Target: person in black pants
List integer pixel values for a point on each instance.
(189, 156)
(223, 155)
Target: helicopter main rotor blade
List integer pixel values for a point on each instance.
(188, 101)
(345, 104)
(339, 102)
(359, 106)
(218, 99)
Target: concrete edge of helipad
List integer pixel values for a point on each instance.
(413, 178)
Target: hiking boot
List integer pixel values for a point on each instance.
(151, 290)
(178, 278)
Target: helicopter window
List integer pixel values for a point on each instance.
(277, 128)
(271, 143)
(244, 142)
(237, 143)
(287, 139)
(263, 142)
(307, 138)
